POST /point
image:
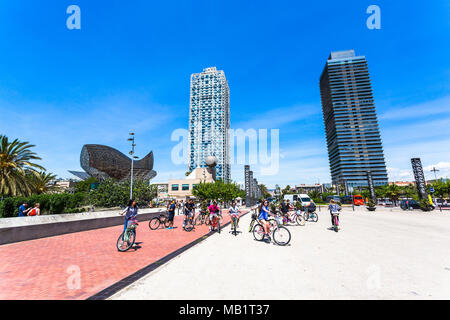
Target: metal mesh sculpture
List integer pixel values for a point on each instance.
(103, 162)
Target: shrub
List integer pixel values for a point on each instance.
(49, 203)
(425, 205)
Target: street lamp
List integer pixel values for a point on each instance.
(132, 162)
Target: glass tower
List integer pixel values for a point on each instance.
(209, 121)
(351, 125)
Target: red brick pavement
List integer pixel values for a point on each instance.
(43, 268)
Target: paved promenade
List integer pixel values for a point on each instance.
(48, 268)
(386, 255)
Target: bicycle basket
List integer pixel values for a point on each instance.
(279, 220)
(131, 224)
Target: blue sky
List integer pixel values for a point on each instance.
(129, 66)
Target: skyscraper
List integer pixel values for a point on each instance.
(351, 125)
(209, 121)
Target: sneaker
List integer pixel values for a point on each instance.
(170, 228)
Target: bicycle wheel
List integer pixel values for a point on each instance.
(165, 221)
(154, 223)
(188, 226)
(281, 236)
(305, 216)
(234, 226)
(314, 216)
(258, 232)
(124, 245)
(300, 220)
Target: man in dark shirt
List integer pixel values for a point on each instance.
(23, 210)
(284, 207)
(171, 210)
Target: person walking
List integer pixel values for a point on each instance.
(36, 211)
(23, 210)
(171, 210)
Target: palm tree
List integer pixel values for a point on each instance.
(393, 192)
(41, 182)
(15, 161)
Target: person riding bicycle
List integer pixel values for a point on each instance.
(334, 210)
(234, 213)
(213, 214)
(284, 208)
(189, 208)
(130, 212)
(311, 207)
(264, 217)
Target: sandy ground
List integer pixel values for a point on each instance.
(386, 255)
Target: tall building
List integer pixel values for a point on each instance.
(209, 121)
(351, 125)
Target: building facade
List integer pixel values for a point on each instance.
(209, 121)
(351, 124)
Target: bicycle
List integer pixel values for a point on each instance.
(280, 235)
(254, 218)
(215, 224)
(335, 222)
(155, 222)
(127, 237)
(202, 218)
(296, 216)
(234, 221)
(312, 216)
(188, 223)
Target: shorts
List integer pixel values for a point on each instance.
(213, 215)
(234, 215)
(171, 215)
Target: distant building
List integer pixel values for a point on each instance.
(181, 189)
(351, 125)
(307, 188)
(402, 183)
(209, 121)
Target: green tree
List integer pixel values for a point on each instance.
(111, 193)
(85, 185)
(41, 182)
(16, 159)
(393, 192)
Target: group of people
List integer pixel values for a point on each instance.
(31, 211)
(286, 206)
(189, 208)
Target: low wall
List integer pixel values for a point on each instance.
(29, 228)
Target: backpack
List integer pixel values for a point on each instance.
(33, 212)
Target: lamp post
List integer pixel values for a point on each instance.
(132, 162)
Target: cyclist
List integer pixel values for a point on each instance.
(213, 214)
(189, 208)
(284, 208)
(264, 217)
(130, 212)
(171, 209)
(334, 210)
(234, 212)
(311, 207)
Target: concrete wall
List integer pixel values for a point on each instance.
(29, 228)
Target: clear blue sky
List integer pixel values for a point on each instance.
(128, 69)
